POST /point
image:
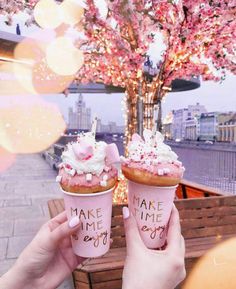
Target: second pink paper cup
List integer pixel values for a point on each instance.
(151, 207)
(94, 212)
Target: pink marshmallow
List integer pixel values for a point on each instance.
(136, 137)
(112, 154)
(82, 150)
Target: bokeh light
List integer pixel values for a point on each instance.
(71, 12)
(46, 81)
(63, 57)
(6, 159)
(216, 269)
(29, 124)
(30, 49)
(9, 85)
(47, 14)
(23, 74)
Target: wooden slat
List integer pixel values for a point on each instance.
(115, 284)
(207, 212)
(212, 231)
(118, 231)
(208, 222)
(81, 276)
(106, 266)
(80, 285)
(198, 203)
(118, 242)
(97, 277)
(117, 210)
(52, 209)
(117, 221)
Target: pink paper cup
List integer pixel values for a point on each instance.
(94, 212)
(151, 207)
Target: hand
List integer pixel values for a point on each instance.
(152, 269)
(47, 260)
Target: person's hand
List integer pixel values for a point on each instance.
(152, 269)
(47, 260)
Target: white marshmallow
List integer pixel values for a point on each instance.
(105, 178)
(166, 171)
(58, 179)
(72, 172)
(103, 183)
(89, 177)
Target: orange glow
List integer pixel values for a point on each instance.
(63, 57)
(23, 74)
(71, 12)
(47, 14)
(30, 49)
(9, 83)
(216, 269)
(6, 159)
(46, 81)
(29, 125)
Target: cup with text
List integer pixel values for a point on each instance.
(94, 212)
(151, 206)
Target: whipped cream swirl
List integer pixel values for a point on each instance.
(151, 148)
(86, 155)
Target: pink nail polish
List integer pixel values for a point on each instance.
(74, 222)
(125, 212)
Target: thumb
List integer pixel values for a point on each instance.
(65, 230)
(133, 239)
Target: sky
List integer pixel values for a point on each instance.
(215, 96)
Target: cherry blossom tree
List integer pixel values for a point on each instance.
(197, 38)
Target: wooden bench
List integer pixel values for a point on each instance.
(205, 222)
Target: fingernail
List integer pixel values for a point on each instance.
(74, 222)
(125, 212)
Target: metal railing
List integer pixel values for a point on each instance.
(212, 167)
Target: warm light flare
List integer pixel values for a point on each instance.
(47, 14)
(29, 124)
(63, 57)
(216, 269)
(6, 159)
(71, 12)
(46, 81)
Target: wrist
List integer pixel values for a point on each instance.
(15, 278)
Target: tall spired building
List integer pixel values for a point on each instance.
(79, 116)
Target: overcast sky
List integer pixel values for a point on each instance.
(215, 96)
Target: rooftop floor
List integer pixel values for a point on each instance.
(25, 189)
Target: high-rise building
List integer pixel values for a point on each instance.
(80, 116)
(185, 119)
(208, 123)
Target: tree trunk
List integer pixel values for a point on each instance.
(141, 105)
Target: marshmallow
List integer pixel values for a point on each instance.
(82, 150)
(89, 177)
(166, 171)
(136, 137)
(112, 154)
(58, 179)
(105, 178)
(103, 183)
(72, 172)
